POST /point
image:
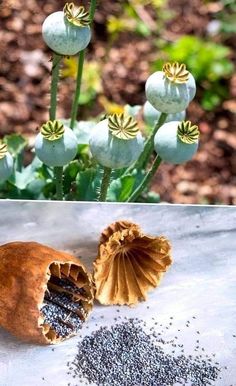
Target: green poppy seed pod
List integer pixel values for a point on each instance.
(6, 163)
(67, 32)
(151, 115)
(116, 142)
(56, 144)
(176, 142)
(171, 90)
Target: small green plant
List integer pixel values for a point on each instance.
(134, 18)
(208, 62)
(227, 18)
(92, 84)
(107, 159)
(6, 163)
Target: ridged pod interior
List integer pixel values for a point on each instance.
(129, 264)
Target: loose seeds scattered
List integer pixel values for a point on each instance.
(126, 355)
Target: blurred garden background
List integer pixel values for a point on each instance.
(132, 39)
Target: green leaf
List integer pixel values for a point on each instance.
(15, 143)
(82, 130)
(121, 188)
(70, 173)
(23, 178)
(27, 175)
(133, 110)
(210, 101)
(151, 198)
(143, 29)
(88, 184)
(35, 189)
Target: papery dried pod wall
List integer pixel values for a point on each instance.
(129, 264)
(45, 294)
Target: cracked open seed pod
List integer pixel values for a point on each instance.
(129, 264)
(45, 294)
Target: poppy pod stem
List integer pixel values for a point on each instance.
(148, 147)
(92, 9)
(146, 180)
(105, 183)
(58, 176)
(74, 110)
(54, 84)
(58, 171)
(75, 104)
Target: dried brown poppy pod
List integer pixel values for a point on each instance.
(129, 264)
(45, 294)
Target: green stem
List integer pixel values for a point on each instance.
(75, 104)
(146, 180)
(58, 176)
(54, 84)
(148, 147)
(105, 183)
(74, 110)
(92, 9)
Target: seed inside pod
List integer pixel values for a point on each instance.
(64, 306)
(45, 294)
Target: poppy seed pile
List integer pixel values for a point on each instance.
(128, 355)
(60, 310)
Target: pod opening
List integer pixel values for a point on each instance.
(67, 301)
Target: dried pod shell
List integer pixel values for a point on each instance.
(29, 272)
(129, 264)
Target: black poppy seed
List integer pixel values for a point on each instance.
(60, 311)
(126, 355)
(67, 285)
